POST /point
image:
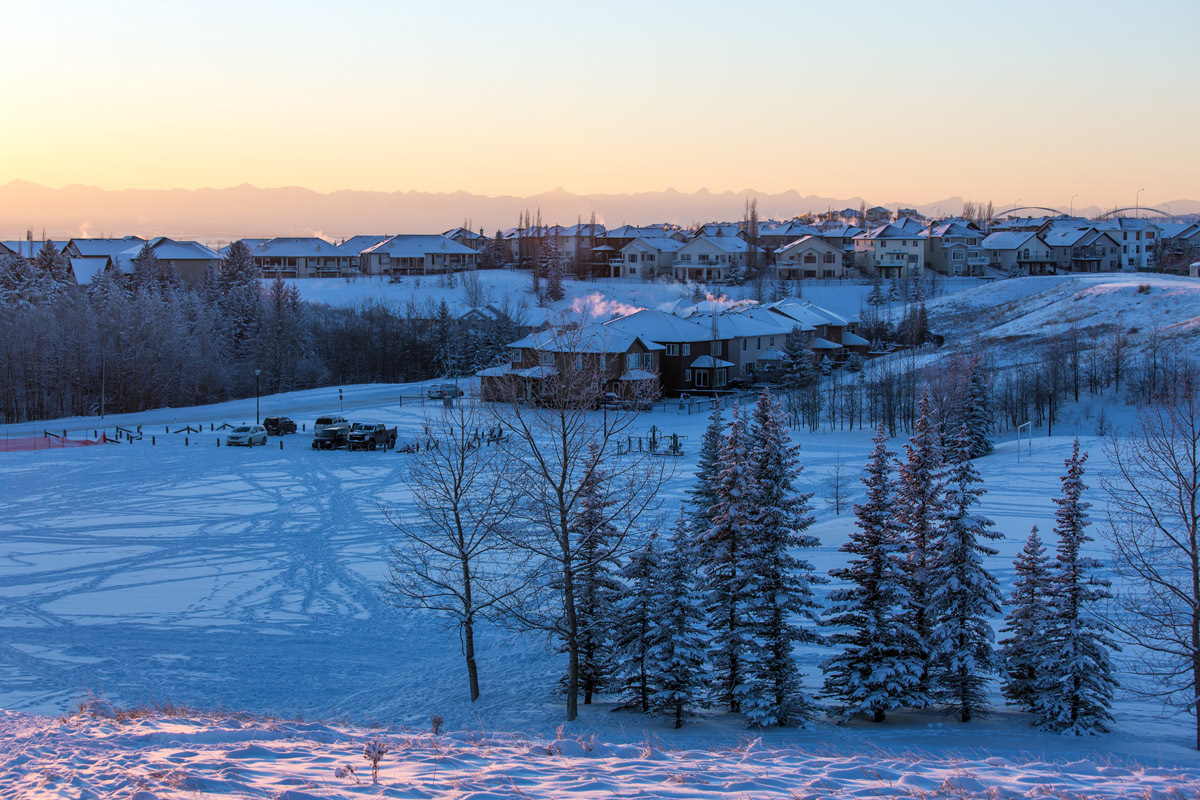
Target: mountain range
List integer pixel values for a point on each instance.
(221, 215)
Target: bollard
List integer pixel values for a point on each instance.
(185, 441)
(281, 444)
(210, 427)
(166, 428)
(151, 441)
(218, 441)
(304, 427)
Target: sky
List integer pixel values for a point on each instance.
(1035, 102)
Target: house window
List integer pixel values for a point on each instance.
(687, 376)
(579, 361)
(829, 258)
(772, 342)
(716, 348)
(516, 356)
(720, 380)
(672, 349)
(745, 344)
(633, 270)
(687, 349)
(546, 359)
(956, 255)
(759, 345)
(701, 379)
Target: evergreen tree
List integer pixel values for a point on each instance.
(52, 269)
(876, 672)
(1074, 688)
(596, 584)
(703, 496)
(781, 585)
(239, 287)
(976, 410)
(724, 550)
(552, 267)
(965, 595)
(876, 297)
(677, 636)
(633, 621)
(1027, 623)
(918, 507)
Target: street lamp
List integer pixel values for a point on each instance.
(1073, 204)
(257, 372)
(1137, 202)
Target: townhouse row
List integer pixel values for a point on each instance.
(688, 349)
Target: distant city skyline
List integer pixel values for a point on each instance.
(1057, 104)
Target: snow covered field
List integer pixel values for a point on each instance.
(248, 579)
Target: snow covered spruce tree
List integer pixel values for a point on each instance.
(780, 588)
(1074, 688)
(976, 411)
(702, 497)
(964, 594)
(633, 619)
(677, 637)
(550, 451)
(918, 504)
(1027, 622)
(877, 670)
(723, 551)
(597, 582)
(552, 266)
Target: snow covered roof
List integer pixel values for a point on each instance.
(842, 231)
(853, 339)
(463, 233)
(105, 247)
(804, 311)
(637, 375)
(905, 228)
(416, 245)
(251, 244)
(735, 325)
(298, 247)
(87, 268)
(785, 323)
(772, 355)
(592, 338)
(633, 231)
(363, 241)
(659, 326)
(708, 362)
(21, 247)
(1066, 236)
(728, 244)
(954, 227)
(171, 250)
(805, 242)
(645, 244)
(1008, 240)
(823, 344)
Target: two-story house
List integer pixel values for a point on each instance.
(956, 248)
(893, 250)
(808, 257)
(1082, 248)
(191, 259)
(1137, 238)
(300, 257)
(694, 357)
(708, 259)
(647, 258)
(417, 254)
(1019, 252)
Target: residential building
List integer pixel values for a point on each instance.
(1138, 239)
(647, 258)
(956, 248)
(417, 254)
(354, 246)
(301, 257)
(90, 257)
(709, 259)
(467, 237)
(1019, 252)
(694, 357)
(1082, 248)
(191, 259)
(808, 257)
(892, 250)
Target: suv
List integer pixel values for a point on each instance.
(324, 422)
(278, 426)
(443, 390)
(247, 435)
(332, 437)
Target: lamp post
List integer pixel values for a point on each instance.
(1073, 204)
(1137, 202)
(257, 372)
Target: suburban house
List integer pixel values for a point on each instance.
(191, 259)
(416, 254)
(1138, 239)
(833, 334)
(28, 248)
(591, 354)
(1082, 249)
(730, 229)
(577, 244)
(756, 340)
(467, 237)
(300, 257)
(893, 250)
(774, 235)
(647, 258)
(694, 357)
(956, 248)
(1021, 252)
(1179, 244)
(89, 257)
(711, 258)
(808, 257)
(354, 246)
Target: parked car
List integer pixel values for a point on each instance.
(443, 390)
(278, 426)
(324, 422)
(331, 437)
(371, 436)
(247, 436)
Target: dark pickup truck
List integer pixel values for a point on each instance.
(331, 437)
(278, 426)
(371, 436)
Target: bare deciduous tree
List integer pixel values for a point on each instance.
(1154, 531)
(450, 558)
(555, 443)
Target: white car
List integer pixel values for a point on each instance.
(248, 435)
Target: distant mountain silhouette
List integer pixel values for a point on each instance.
(217, 215)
